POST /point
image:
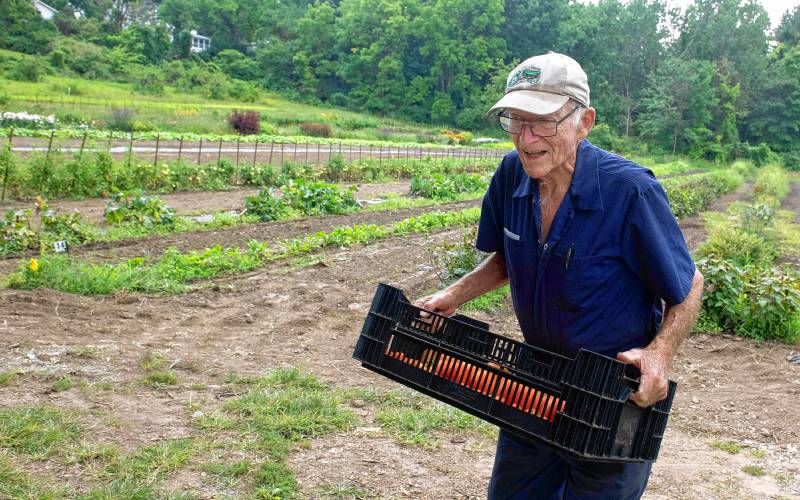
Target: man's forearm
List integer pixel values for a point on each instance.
(678, 321)
(490, 274)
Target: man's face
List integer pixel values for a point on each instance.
(542, 155)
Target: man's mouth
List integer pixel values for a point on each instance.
(535, 154)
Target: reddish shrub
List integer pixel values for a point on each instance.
(316, 129)
(245, 122)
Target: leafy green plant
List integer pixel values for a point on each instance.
(135, 207)
(447, 186)
(689, 195)
(753, 301)
(266, 206)
(451, 261)
(16, 232)
(318, 197)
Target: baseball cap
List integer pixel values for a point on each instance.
(543, 84)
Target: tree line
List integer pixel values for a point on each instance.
(714, 81)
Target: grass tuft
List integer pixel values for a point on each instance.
(36, 431)
(730, 446)
(754, 470)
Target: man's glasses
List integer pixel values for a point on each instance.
(542, 128)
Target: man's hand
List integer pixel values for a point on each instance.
(653, 384)
(442, 302)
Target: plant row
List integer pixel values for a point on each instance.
(95, 134)
(746, 292)
(133, 214)
(60, 176)
(173, 270)
(691, 194)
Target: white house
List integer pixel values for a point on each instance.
(45, 10)
(200, 43)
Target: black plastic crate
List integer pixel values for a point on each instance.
(579, 406)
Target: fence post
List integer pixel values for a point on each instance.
(158, 143)
(199, 150)
(238, 141)
(255, 154)
(50, 144)
(271, 147)
(8, 163)
(180, 149)
(83, 143)
(219, 152)
(130, 149)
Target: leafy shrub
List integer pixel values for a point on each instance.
(121, 119)
(260, 174)
(245, 122)
(151, 81)
(135, 207)
(771, 185)
(447, 186)
(689, 195)
(16, 232)
(451, 261)
(266, 206)
(316, 129)
(318, 197)
(27, 71)
(753, 301)
(739, 247)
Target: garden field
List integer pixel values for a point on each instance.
(184, 351)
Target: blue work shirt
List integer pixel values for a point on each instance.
(613, 253)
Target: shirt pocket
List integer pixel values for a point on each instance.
(578, 284)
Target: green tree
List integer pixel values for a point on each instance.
(678, 105)
(788, 32)
(23, 29)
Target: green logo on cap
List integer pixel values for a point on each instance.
(531, 75)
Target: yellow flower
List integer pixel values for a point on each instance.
(33, 265)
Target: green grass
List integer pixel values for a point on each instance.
(228, 474)
(344, 490)
(62, 384)
(161, 379)
(17, 484)
(85, 453)
(189, 113)
(415, 420)
(152, 463)
(754, 470)
(275, 480)
(728, 446)
(488, 302)
(172, 271)
(36, 431)
(7, 377)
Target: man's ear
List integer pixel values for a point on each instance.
(587, 123)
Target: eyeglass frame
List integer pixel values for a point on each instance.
(531, 123)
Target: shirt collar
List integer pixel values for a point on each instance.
(585, 187)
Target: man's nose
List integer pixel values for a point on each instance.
(528, 135)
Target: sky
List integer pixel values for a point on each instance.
(775, 8)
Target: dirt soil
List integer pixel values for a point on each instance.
(729, 389)
(196, 202)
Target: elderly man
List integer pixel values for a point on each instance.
(595, 260)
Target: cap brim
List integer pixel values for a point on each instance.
(530, 101)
